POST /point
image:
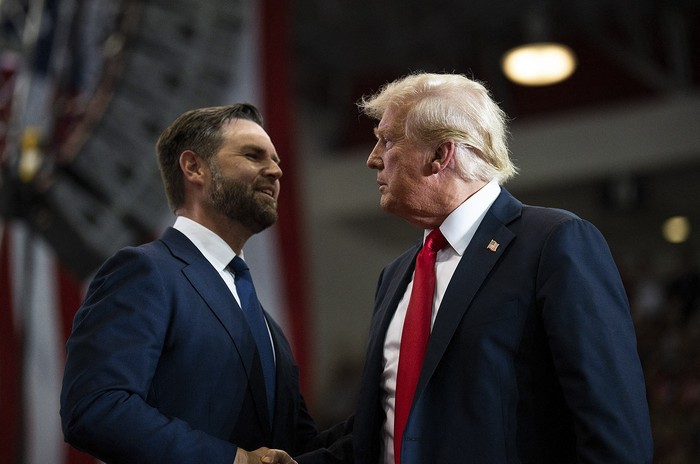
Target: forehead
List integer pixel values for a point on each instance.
(244, 133)
(243, 129)
(390, 122)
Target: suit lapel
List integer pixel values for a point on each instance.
(209, 285)
(287, 381)
(398, 277)
(477, 262)
(397, 287)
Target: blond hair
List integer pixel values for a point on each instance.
(436, 108)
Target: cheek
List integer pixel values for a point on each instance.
(279, 188)
(404, 189)
(406, 175)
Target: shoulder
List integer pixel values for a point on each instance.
(546, 221)
(556, 231)
(149, 255)
(547, 215)
(562, 233)
(137, 267)
(161, 253)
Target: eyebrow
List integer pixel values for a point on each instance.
(259, 150)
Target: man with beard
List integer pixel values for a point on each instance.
(171, 358)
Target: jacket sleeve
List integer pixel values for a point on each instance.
(592, 340)
(332, 446)
(112, 355)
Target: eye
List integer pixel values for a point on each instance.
(384, 141)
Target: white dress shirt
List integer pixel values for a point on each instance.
(458, 228)
(213, 247)
(216, 251)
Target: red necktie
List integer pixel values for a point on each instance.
(416, 331)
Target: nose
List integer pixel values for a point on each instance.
(375, 161)
(273, 170)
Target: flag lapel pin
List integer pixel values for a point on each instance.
(493, 245)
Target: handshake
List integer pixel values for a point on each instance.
(263, 455)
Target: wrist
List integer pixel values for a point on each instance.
(240, 457)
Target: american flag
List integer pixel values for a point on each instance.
(39, 294)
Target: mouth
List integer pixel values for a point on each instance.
(382, 185)
(269, 191)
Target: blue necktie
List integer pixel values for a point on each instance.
(256, 320)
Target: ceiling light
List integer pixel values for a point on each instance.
(676, 229)
(537, 64)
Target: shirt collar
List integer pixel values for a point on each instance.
(460, 226)
(213, 247)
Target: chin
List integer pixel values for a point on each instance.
(268, 218)
(387, 205)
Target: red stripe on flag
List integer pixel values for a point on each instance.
(10, 363)
(278, 109)
(70, 298)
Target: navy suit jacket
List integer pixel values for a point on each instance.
(161, 365)
(532, 357)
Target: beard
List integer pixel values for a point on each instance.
(241, 203)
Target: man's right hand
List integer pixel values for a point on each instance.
(277, 456)
(263, 455)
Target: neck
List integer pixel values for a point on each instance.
(232, 232)
(432, 214)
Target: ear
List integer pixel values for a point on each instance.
(443, 156)
(192, 166)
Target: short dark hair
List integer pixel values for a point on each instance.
(198, 130)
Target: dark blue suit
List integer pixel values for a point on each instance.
(532, 357)
(161, 366)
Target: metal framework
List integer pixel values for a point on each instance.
(92, 85)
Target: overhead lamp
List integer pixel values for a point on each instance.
(539, 63)
(676, 229)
